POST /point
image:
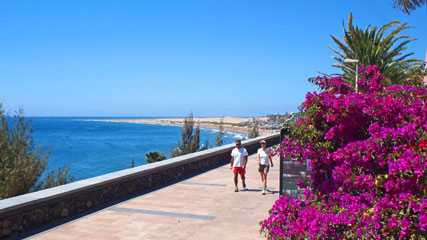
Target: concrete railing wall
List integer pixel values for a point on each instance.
(32, 211)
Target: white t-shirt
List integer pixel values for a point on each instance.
(239, 156)
(263, 156)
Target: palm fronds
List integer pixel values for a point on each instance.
(407, 6)
(373, 46)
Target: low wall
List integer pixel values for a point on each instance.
(32, 211)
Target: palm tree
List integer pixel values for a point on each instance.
(407, 6)
(372, 47)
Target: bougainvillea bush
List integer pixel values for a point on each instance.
(368, 160)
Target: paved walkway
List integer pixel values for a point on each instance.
(202, 207)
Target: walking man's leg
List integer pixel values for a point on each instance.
(243, 181)
(236, 189)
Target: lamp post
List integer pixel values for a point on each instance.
(356, 61)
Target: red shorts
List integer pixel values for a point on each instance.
(239, 170)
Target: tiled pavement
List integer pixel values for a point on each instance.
(202, 207)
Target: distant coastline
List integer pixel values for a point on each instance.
(95, 147)
(231, 124)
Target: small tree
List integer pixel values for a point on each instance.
(195, 142)
(220, 134)
(184, 146)
(253, 132)
(189, 142)
(22, 163)
(152, 157)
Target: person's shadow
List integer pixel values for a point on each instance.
(260, 190)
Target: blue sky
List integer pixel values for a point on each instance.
(167, 58)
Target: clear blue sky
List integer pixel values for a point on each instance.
(167, 58)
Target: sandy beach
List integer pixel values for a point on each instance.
(231, 124)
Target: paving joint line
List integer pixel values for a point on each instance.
(162, 213)
(205, 184)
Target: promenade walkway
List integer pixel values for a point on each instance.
(202, 207)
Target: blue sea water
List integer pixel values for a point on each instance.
(94, 147)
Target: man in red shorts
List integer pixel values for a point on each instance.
(239, 159)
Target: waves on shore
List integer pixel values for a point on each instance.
(231, 134)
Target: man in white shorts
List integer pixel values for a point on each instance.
(239, 159)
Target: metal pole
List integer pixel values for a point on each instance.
(356, 75)
(282, 134)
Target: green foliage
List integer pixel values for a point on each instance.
(189, 142)
(56, 178)
(372, 47)
(220, 134)
(184, 147)
(22, 163)
(152, 157)
(195, 141)
(253, 132)
(207, 145)
(407, 6)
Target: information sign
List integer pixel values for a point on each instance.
(292, 170)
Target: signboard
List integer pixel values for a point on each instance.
(292, 170)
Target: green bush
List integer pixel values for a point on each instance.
(22, 163)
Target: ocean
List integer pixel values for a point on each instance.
(94, 148)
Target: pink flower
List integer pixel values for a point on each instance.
(368, 164)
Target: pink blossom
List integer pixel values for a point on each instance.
(368, 163)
